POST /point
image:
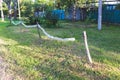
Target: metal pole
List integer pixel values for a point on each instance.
(100, 15)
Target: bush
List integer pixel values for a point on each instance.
(32, 20)
(51, 19)
(118, 7)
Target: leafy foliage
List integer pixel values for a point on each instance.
(79, 3)
(51, 19)
(118, 7)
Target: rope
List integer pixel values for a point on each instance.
(16, 23)
(48, 35)
(55, 38)
(20, 22)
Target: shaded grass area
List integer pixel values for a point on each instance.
(32, 58)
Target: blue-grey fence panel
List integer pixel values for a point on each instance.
(59, 13)
(70, 16)
(117, 16)
(110, 16)
(77, 14)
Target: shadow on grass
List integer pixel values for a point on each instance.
(67, 67)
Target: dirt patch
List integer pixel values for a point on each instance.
(3, 68)
(5, 72)
(3, 65)
(2, 42)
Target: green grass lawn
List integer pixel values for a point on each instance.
(32, 58)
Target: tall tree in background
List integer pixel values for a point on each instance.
(1, 8)
(100, 15)
(8, 2)
(68, 4)
(15, 8)
(80, 3)
(75, 3)
(19, 12)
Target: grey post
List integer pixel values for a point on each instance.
(38, 31)
(86, 46)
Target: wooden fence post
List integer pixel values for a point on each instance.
(86, 46)
(38, 31)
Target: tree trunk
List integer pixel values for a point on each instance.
(74, 12)
(1, 8)
(9, 11)
(8, 2)
(19, 12)
(15, 9)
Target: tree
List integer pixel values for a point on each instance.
(79, 3)
(8, 2)
(1, 8)
(19, 12)
(15, 8)
(69, 3)
(75, 4)
(26, 8)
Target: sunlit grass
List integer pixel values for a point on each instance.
(32, 58)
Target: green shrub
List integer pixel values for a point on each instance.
(32, 20)
(51, 19)
(118, 7)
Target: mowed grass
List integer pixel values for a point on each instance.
(32, 58)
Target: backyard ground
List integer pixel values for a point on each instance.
(24, 56)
